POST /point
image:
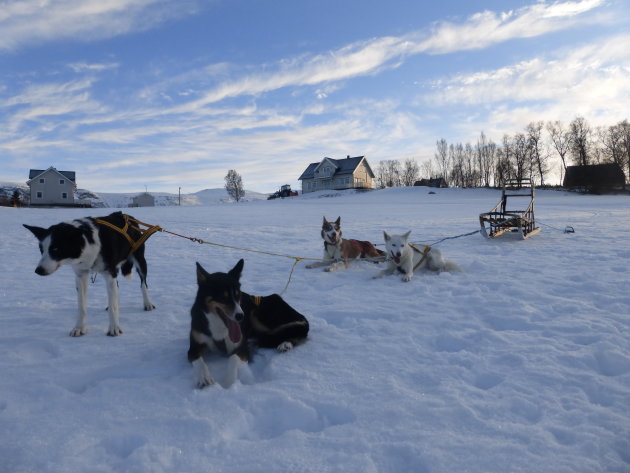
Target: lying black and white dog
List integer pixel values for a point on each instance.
(89, 246)
(226, 321)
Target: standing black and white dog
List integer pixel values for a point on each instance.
(89, 246)
(226, 321)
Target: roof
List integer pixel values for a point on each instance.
(33, 173)
(344, 166)
(594, 175)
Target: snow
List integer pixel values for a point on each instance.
(518, 363)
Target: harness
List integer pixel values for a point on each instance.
(257, 300)
(145, 233)
(425, 252)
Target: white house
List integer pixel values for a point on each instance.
(143, 200)
(51, 187)
(329, 173)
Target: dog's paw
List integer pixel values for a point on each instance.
(77, 332)
(148, 307)
(114, 331)
(204, 382)
(284, 347)
(406, 278)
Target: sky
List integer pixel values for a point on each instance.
(159, 95)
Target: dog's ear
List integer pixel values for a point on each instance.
(39, 232)
(325, 221)
(237, 270)
(202, 274)
(406, 235)
(338, 222)
(386, 236)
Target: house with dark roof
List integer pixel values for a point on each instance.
(51, 187)
(594, 177)
(432, 182)
(329, 173)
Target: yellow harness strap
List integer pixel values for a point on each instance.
(257, 300)
(427, 248)
(145, 233)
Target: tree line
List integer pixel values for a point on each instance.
(537, 152)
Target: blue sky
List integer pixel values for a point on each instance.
(162, 94)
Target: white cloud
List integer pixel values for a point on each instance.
(42, 101)
(486, 28)
(25, 22)
(593, 72)
(372, 56)
(80, 67)
(591, 80)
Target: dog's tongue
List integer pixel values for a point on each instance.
(234, 331)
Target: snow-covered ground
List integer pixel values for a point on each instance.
(520, 363)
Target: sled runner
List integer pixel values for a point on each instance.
(501, 219)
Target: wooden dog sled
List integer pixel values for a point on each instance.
(501, 219)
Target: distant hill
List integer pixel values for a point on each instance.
(123, 200)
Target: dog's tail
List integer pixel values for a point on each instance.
(451, 267)
(126, 269)
(368, 250)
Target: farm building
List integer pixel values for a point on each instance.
(52, 187)
(329, 173)
(433, 182)
(594, 177)
(143, 200)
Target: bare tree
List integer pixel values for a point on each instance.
(580, 132)
(522, 158)
(485, 151)
(504, 165)
(410, 172)
(442, 158)
(394, 172)
(427, 169)
(561, 141)
(538, 152)
(456, 158)
(380, 175)
(612, 145)
(234, 185)
(624, 130)
(388, 173)
(470, 173)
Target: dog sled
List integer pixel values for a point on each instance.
(501, 219)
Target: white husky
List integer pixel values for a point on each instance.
(407, 258)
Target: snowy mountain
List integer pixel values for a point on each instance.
(164, 199)
(124, 200)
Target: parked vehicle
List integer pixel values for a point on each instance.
(285, 191)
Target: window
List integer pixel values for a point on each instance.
(42, 180)
(64, 195)
(40, 195)
(62, 181)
